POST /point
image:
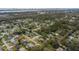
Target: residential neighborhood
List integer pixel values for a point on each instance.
(39, 30)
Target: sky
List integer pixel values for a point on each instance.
(39, 3)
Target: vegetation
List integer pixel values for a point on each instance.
(39, 32)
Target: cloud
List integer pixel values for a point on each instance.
(39, 3)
